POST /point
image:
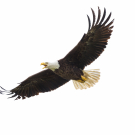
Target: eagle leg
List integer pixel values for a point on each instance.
(83, 79)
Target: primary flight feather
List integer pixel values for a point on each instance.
(71, 67)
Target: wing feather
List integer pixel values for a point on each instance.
(93, 43)
(93, 13)
(89, 23)
(99, 15)
(103, 17)
(43, 81)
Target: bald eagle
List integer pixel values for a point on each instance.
(71, 67)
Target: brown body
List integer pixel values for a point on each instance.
(68, 71)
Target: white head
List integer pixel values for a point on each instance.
(51, 65)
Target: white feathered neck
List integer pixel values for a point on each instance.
(53, 65)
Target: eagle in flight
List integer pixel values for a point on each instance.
(71, 67)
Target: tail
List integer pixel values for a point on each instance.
(92, 76)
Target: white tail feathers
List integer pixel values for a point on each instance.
(92, 75)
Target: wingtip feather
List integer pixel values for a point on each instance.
(89, 22)
(94, 16)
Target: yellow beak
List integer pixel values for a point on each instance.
(43, 63)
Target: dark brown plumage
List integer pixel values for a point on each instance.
(84, 53)
(93, 43)
(43, 81)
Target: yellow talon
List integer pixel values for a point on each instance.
(83, 78)
(81, 81)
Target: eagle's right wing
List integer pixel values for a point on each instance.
(43, 81)
(93, 43)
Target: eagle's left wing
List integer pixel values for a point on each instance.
(43, 81)
(93, 43)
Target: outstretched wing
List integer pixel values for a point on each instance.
(93, 43)
(43, 81)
